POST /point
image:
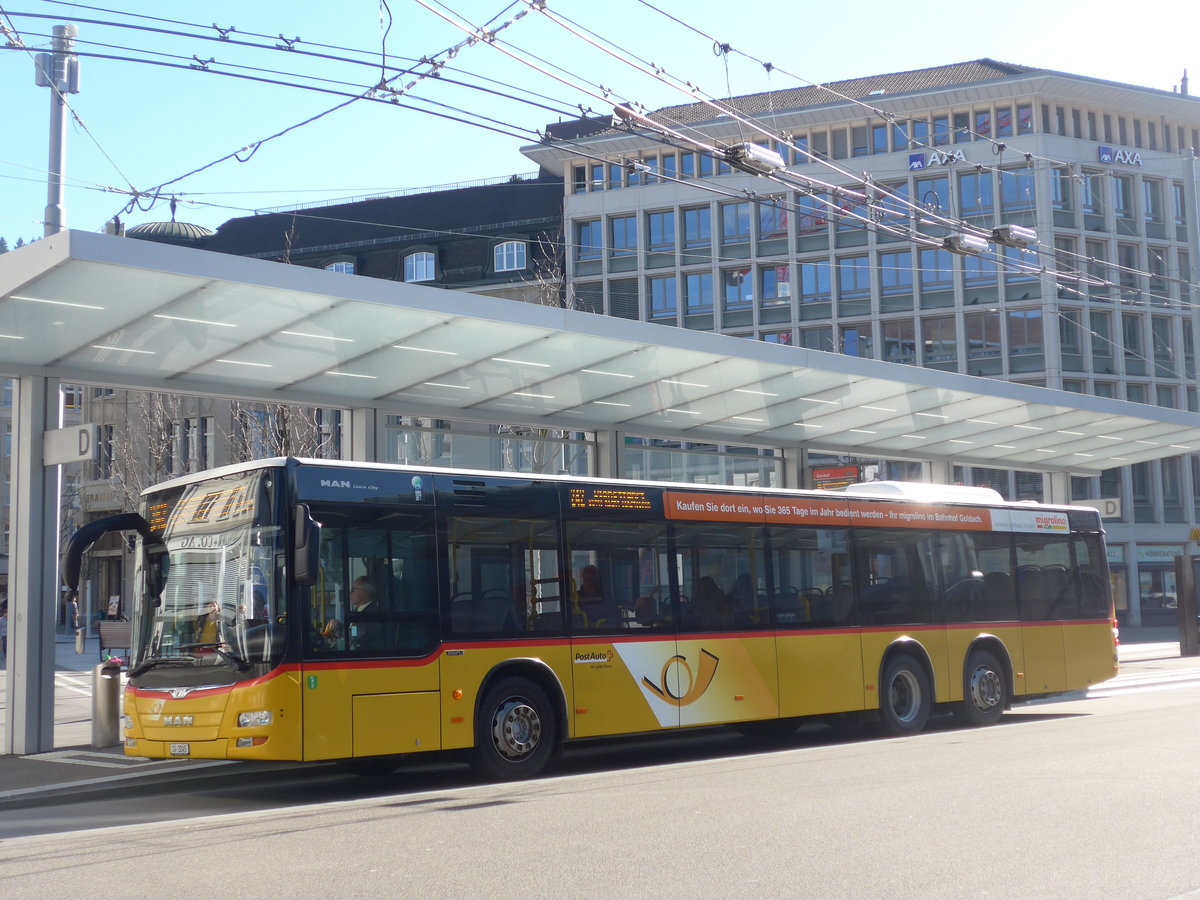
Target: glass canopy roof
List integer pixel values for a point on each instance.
(94, 308)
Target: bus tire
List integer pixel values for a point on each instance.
(985, 690)
(904, 696)
(514, 733)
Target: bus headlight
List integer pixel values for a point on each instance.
(254, 719)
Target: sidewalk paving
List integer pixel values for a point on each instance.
(77, 770)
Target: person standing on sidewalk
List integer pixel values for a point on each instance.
(4, 629)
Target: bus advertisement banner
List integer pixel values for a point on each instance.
(768, 510)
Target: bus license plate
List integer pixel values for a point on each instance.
(180, 749)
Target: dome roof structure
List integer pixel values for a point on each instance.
(180, 233)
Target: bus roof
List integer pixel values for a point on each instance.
(910, 491)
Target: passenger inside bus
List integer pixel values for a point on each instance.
(596, 606)
(712, 605)
(208, 624)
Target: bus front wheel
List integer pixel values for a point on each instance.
(514, 734)
(985, 692)
(904, 696)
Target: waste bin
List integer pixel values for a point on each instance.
(81, 641)
(106, 704)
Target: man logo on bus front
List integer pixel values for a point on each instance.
(697, 684)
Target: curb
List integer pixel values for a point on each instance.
(125, 784)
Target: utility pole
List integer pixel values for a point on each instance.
(59, 71)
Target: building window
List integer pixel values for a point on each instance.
(774, 284)
(896, 272)
(856, 341)
(737, 288)
(815, 281)
(1025, 332)
(735, 223)
(1025, 119)
(812, 215)
(854, 284)
(1004, 121)
(342, 266)
(509, 256)
(589, 240)
(879, 139)
(934, 193)
(1016, 189)
(772, 219)
(1152, 207)
(697, 292)
(817, 339)
(1060, 183)
(420, 266)
(975, 193)
(660, 230)
(1123, 196)
(1091, 192)
(939, 343)
(662, 297)
(622, 236)
(983, 336)
(899, 342)
(697, 226)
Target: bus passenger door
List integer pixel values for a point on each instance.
(621, 611)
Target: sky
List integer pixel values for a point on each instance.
(140, 127)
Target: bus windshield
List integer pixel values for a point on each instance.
(211, 591)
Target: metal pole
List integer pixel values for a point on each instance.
(59, 71)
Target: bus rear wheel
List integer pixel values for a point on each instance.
(985, 690)
(904, 697)
(514, 734)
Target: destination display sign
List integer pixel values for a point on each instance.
(609, 498)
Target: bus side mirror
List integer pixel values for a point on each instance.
(306, 538)
(82, 539)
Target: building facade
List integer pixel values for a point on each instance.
(854, 247)
(500, 238)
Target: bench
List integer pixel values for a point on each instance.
(115, 636)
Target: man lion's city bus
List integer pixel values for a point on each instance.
(308, 610)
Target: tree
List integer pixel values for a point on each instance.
(3, 245)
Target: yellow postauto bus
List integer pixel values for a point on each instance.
(312, 610)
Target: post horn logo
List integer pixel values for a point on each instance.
(697, 684)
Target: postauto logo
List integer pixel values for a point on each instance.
(673, 688)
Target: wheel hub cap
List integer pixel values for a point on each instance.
(516, 728)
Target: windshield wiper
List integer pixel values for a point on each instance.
(224, 654)
(158, 661)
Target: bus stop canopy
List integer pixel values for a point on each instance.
(92, 308)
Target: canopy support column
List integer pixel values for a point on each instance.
(33, 584)
(940, 471)
(367, 439)
(609, 461)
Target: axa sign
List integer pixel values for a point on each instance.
(935, 158)
(1128, 157)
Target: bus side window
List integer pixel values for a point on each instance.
(503, 576)
(893, 574)
(619, 576)
(722, 567)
